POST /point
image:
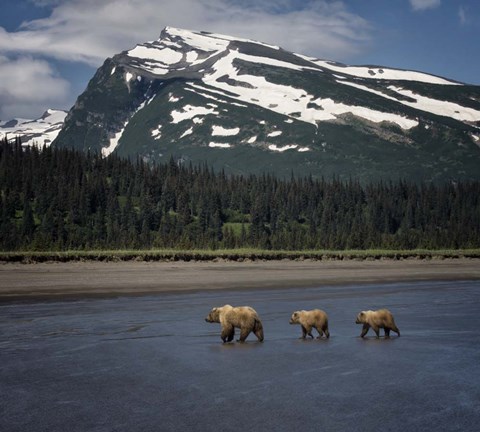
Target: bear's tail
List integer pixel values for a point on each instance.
(258, 330)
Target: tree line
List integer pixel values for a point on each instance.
(62, 199)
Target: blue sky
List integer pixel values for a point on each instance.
(49, 49)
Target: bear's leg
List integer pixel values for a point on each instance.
(376, 330)
(309, 331)
(396, 330)
(387, 333)
(327, 333)
(244, 332)
(365, 329)
(258, 330)
(323, 331)
(228, 332)
(304, 333)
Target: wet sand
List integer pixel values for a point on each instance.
(94, 279)
(152, 363)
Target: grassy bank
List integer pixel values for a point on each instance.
(231, 255)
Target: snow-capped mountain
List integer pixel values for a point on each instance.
(247, 106)
(40, 132)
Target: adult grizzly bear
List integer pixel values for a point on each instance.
(243, 317)
(312, 318)
(378, 319)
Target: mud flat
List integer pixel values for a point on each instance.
(152, 363)
(43, 281)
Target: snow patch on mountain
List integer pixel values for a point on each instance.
(272, 62)
(114, 141)
(218, 145)
(166, 56)
(475, 139)
(192, 56)
(423, 103)
(157, 133)
(275, 134)
(189, 112)
(186, 133)
(209, 41)
(288, 100)
(172, 98)
(379, 73)
(368, 89)
(273, 147)
(208, 89)
(443, 108)
(39, 132)
(204, 42)
(221, 131)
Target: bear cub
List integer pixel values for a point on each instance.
(379, 319)
(315, 318)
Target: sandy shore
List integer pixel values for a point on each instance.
(90, 279)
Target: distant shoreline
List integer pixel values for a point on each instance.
(239, 255)
(93, 279)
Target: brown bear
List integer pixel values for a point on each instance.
(312, 318)
(243, 317)
(378, 319)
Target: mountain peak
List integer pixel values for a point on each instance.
(41, 131)
(206, 96)
(200, 37)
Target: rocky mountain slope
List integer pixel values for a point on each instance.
(246, 106)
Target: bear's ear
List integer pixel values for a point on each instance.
(362, 313)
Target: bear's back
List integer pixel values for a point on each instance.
(241, 315)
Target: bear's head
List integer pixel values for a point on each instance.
(213, 316)
(361, 318)
(295, 317)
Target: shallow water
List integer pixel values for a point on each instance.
(153, 363)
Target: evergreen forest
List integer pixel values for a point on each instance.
(62, 199)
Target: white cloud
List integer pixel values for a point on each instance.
(88, 31)
(424, 4)
(29, 86)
